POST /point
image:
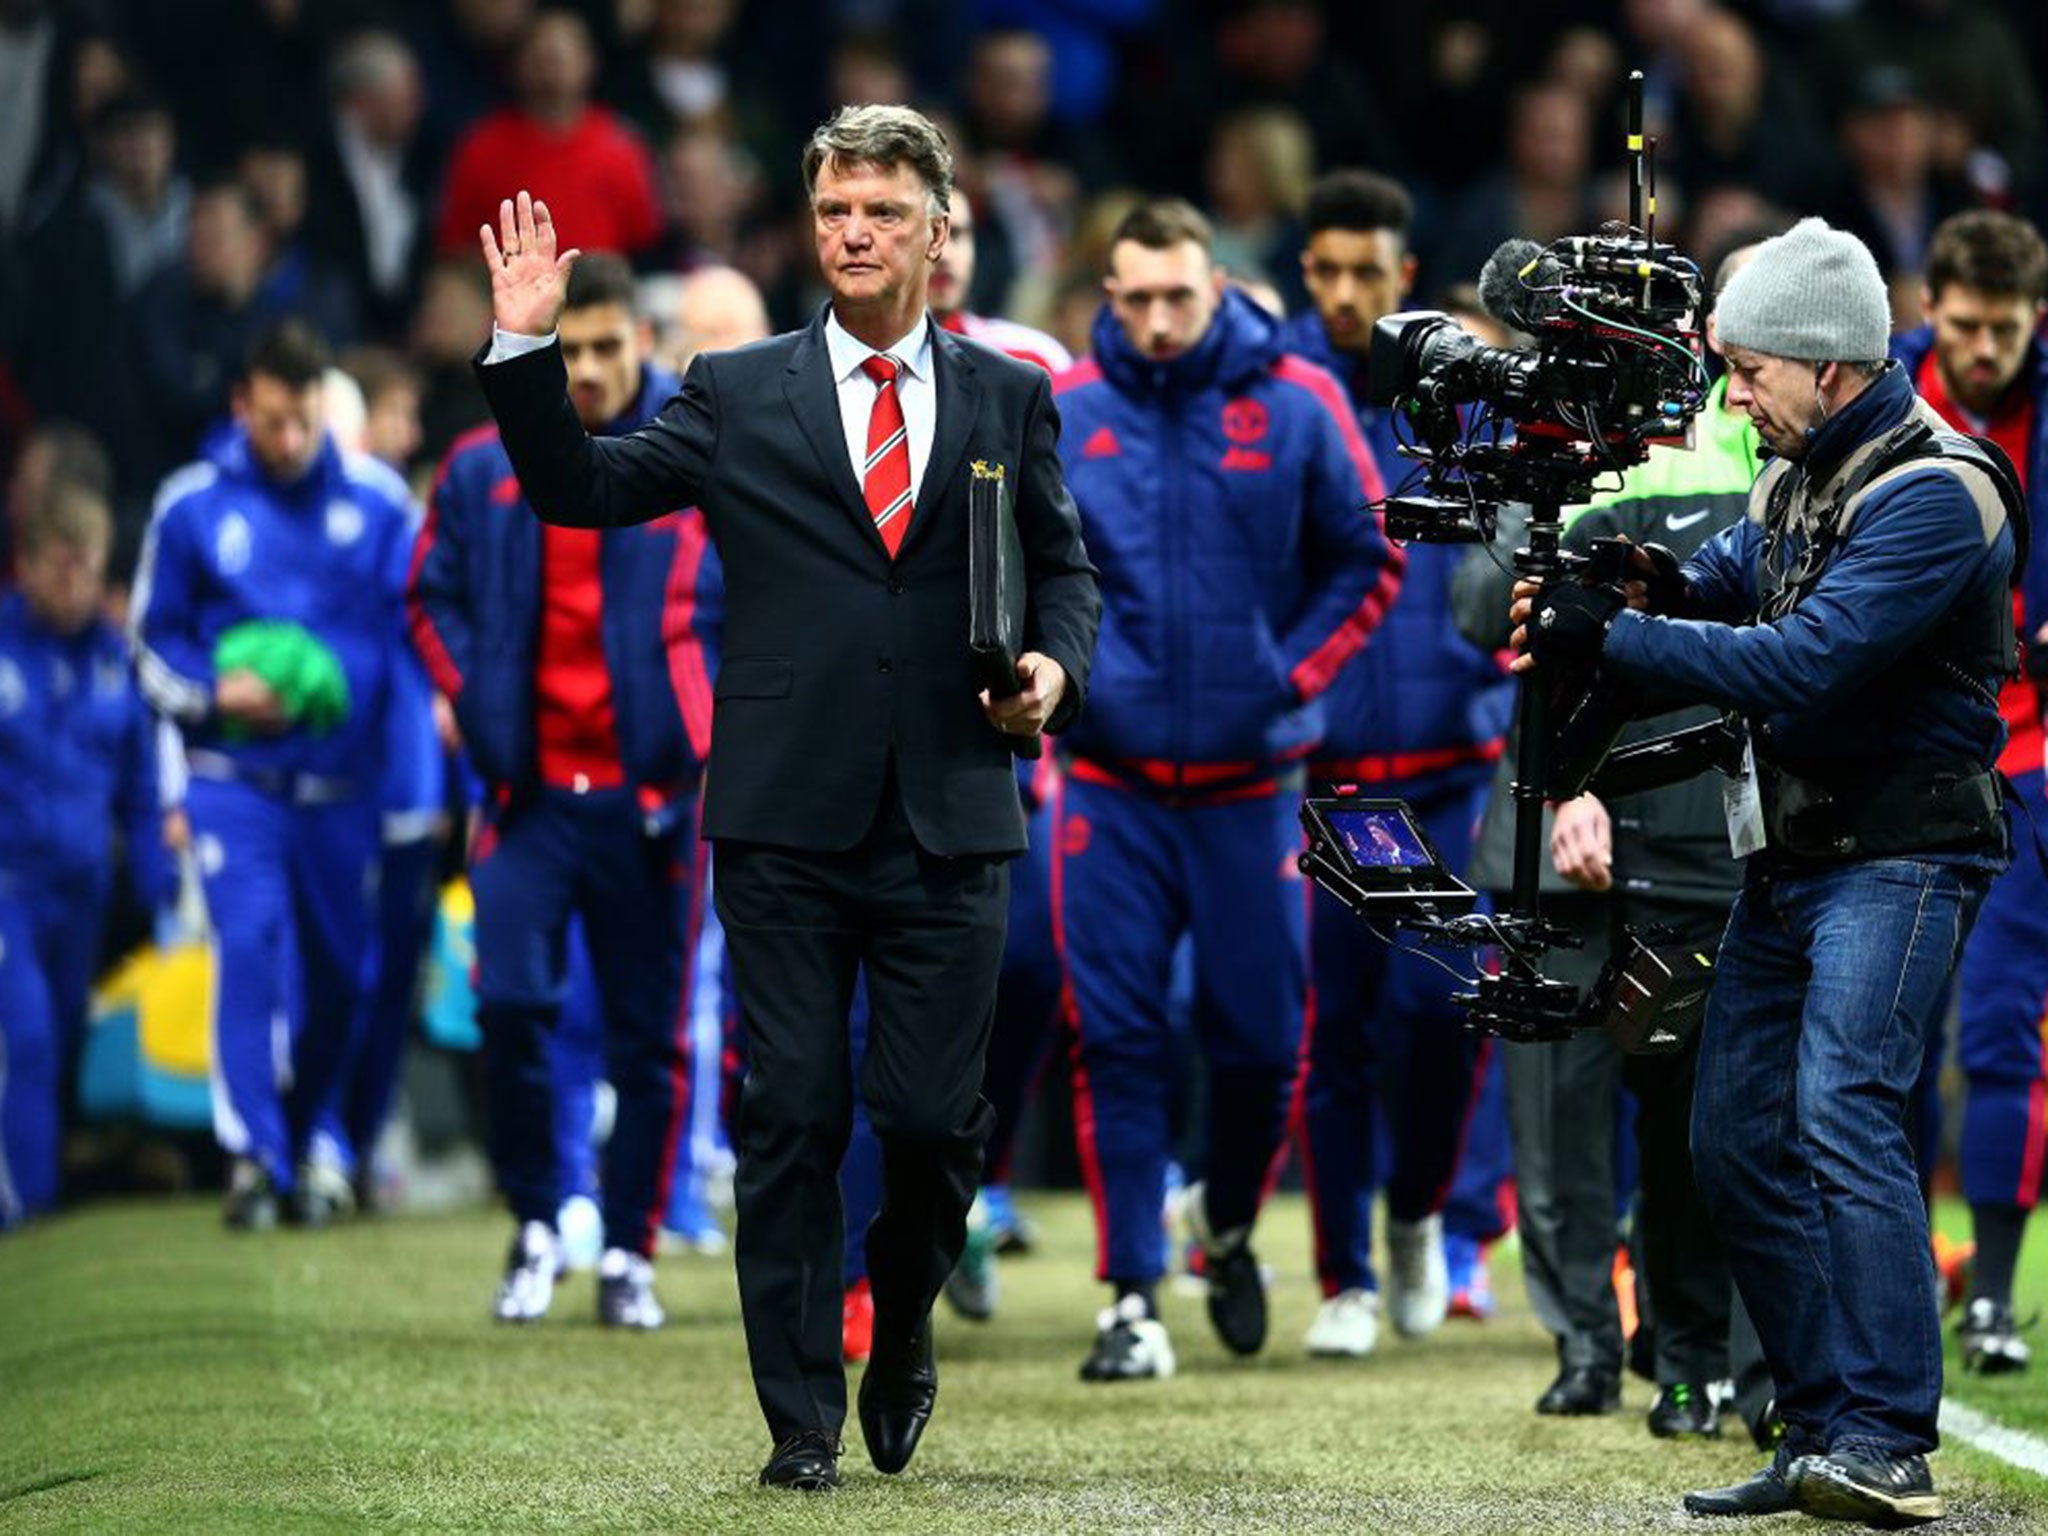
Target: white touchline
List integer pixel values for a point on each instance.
(2015, 1447)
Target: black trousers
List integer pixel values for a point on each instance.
(799, 926)
(1560, 1111)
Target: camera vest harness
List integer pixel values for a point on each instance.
(1917, 804)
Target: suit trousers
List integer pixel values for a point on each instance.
(799, 927)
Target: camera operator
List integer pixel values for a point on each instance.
(1658, 858)
(1860, 616)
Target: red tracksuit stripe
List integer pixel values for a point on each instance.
(687, 674)
(1084, 1098)
(679, 1064)
(2029, 1193)
(1086, 371)
(1315, 672)
(426, 639)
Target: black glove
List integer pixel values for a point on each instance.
(1664, 580)
(1569, 622)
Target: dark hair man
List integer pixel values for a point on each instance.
(576, 661)
(861, 801)
(79, 749)
(1860, 617)
(1418, 714)
(267, 626)
(1223, 484)
(1981, 363)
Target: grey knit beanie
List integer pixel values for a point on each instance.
(1812, 293)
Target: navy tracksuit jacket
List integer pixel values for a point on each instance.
(1223, 494)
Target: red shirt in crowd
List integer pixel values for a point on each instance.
(595, 176)
(2011, 426)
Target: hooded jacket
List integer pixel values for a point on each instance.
(1223, 494)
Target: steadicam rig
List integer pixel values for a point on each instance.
(1615, 368)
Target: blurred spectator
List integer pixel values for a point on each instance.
(1261, 162)
(709, 189)
(592, 171)
(1082, 36)
(1964, 55)
(715, 308)
(466, 50)
(195, 323)
(453, 320)
(32, 102)
(1540, 194)
(390, 385)
(1892, 199)
(1721, 214)
(1653, 39)
(136, 193)
(1271, 53)
(1740, 118)
(372, 177)
(1025, 173)
(866, 68)
(689, 69)
(82, 264)
(297, 281)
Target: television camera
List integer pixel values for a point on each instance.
(1615, 368)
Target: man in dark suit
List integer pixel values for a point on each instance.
(860, 795)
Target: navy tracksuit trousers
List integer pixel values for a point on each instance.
(593, 855)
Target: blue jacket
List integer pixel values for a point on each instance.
(1223, 497)
(1832, 682)
(475, 599)
(77, 755)
(1421, 699)
(1911, 349)
(228, 544)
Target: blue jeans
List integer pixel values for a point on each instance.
(1828, 983)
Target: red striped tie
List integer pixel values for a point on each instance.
(885, 478)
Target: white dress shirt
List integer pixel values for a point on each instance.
(915, 387)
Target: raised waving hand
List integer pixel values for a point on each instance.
(529, 280)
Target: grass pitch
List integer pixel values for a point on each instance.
(157, 1374)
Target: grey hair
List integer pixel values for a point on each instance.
(884, 136)
(366, 60)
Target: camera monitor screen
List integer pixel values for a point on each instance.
(1381, 839)
(1374, 853)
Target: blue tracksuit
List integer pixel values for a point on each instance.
(1224, 499)
(1418, 715)
(77, 757)
(414, 802)
(2002, 983)
(286, 825)
(624, 859)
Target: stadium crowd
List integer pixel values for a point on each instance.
(276, 615)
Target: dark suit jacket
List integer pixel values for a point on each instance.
(837, 660)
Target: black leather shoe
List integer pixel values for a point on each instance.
(1580, 1390)
(1685, 1410)
(1767, 1493)
(896, 1396)
(807, 1461)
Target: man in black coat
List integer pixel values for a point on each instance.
(860, 793)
